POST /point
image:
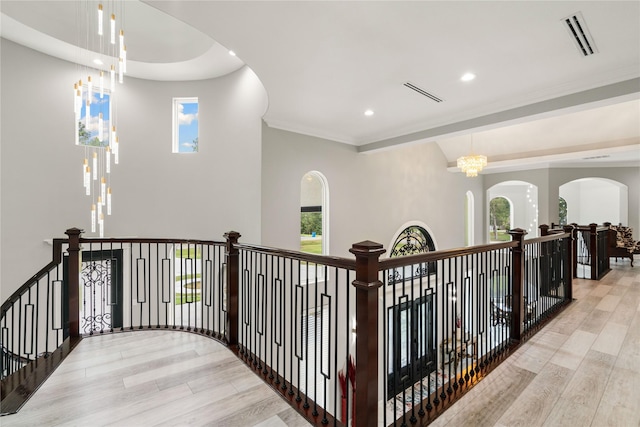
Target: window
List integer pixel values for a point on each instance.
(95, 132)
(562, 211)
(185, 125)
(411, 241)
(314, 201)
(412, 353)
(500, 214)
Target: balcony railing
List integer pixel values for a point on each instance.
(591, 260)
(347, 341)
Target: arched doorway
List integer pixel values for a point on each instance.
(523, 208)
(314, 213)
(596, 200)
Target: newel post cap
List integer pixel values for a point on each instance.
(367, 247)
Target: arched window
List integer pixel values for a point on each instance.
(412, 240)
(314, 213)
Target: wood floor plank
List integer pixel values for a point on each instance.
(580, 399)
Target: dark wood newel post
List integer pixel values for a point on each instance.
(544, 229)
(367, 254)
(517, 281)
(593, 250)
(232, 279)
(74, 281)
(571, 255)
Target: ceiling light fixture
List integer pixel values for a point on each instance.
(369, 113)
(94, 125)
(467, 77)
(232, 53)
(473, 163)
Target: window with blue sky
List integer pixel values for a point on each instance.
(185, 125)
(95, 131)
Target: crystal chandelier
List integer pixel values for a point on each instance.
(94, 106)
(473, 163)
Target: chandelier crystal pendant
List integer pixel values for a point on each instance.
(94, 101)
(473, 163)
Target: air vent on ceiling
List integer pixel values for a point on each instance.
(422, 92)
(580, 34)
(596, 157)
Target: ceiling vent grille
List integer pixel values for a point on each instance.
(580, 34)
(422, 92)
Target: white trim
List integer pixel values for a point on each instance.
(470, 218)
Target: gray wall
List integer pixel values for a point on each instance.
(155, 193)
(371, 195)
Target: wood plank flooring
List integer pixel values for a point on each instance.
(582, 369)
(154, 378)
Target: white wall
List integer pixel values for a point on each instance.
(626, 176)
(371, 194)
(595, 200)
(155, 193)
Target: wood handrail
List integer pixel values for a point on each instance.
(151, 240)
(548, 238)
(389, 263)
(56, 259)
(332, 261)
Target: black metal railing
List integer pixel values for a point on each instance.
(443, 326)
(296, 327)
(32, 321)
(591, 259)
(356, 341)
(128, 284)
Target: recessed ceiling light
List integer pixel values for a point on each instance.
(232, 53)
(98, 61)
(467, 77)
(368, 113)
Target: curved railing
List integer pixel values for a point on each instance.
(31, 319)
(422, 329)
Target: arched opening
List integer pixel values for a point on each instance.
(469, 210)
(500, 219)
(595, 200)
(314, 213)
(522, 207)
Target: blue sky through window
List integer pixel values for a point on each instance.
(98, 105)
(188, 127)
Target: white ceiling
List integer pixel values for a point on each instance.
(536, 100)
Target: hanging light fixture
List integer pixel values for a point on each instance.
(473, 163)
(94, 116)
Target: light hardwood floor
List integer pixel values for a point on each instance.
(582, 369)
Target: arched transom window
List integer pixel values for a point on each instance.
(411, 241)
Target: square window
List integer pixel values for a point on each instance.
(185, 125)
